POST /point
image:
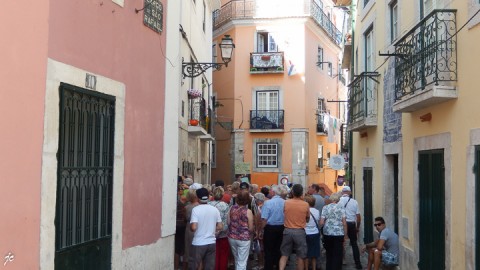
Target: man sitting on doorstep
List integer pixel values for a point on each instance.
(385, 249)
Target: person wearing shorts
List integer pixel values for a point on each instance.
(385, 249)
(297, 214)
(313, 234)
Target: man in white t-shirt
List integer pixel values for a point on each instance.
(354, 219)
(205, 221)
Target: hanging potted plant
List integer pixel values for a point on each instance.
(194, 93)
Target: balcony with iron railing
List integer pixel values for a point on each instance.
(266, 62)
(362, 102)
(426, 63)
(266, 120)
(322, 128)
(255, 9)
(199, 123)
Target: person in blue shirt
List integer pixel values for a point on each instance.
(272, 221)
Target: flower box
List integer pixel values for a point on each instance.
(265, 57)
(194, 93)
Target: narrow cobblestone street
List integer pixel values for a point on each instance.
(349, 263)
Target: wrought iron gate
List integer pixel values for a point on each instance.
(84, 180)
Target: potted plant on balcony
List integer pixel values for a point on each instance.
(194, 93)
(265, 57)
(193, 122)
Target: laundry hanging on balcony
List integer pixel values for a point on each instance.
(333, 125)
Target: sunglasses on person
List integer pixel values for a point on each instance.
(377, 224)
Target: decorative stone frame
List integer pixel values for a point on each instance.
(58, 72)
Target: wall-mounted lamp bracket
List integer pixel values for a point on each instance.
(366, 74)
(401, 55)
(193, 69)
(321, 64)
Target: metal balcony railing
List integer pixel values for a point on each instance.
(198, 111)
(324, 21)
(362, 97)
(321, 126)
(427, 54)
(267, 119)
(266, 62)
(253, 9)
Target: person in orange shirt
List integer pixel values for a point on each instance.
(297, 214)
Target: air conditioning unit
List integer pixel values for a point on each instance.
(283, 179)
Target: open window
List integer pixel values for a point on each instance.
(266, 42)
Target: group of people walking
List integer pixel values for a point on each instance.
(220, 227)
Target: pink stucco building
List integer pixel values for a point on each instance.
(82, 149)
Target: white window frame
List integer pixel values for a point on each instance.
(272, 152)
(369, 36)
(321, 106)
(393, 20)
(320, 57)
(320, 164)
(263, 37)
(369, 49)
(269, 94)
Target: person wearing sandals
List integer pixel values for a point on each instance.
(385, 249)
(313, 234)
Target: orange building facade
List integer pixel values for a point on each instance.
(279, 104)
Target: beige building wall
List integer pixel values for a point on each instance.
(453, 127)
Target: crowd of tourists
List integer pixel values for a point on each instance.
(223, 227)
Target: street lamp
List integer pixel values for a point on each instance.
(193, 69)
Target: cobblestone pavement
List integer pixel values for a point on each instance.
(349, 263)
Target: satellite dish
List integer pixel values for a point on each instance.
(337, 162)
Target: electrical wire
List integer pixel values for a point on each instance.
(161, 49)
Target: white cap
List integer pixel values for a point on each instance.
(195, 186)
